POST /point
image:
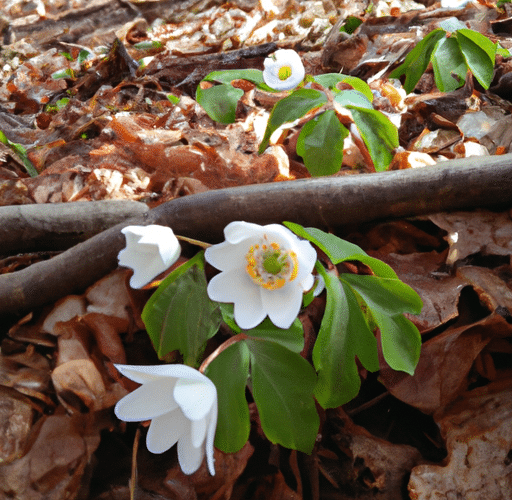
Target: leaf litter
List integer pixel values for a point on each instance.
(107, 130)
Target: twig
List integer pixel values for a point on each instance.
(324, 202)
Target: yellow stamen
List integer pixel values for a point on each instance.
(270, 266)
(284, 73)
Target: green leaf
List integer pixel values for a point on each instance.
(401, 341)
(180, 315)
(390, 296)
(353, 98)
(227, 76)
(449, 66)
(350, 24)
(452, 24)
(330, 80)
(148, 45)
(228, 316)
(291, 108)
(82, 56)
(220, 102)
(479, 53)
(282, 387)
(481, 41)
(65, 73)
(339, 250)
(360, 86)
(292, 338)
(378, 133)
(21, 152)
(417, 60)
(229, 372)
(173, 98)
(344, 334)
(320, 143)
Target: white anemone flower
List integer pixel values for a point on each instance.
(150, 250)
(265, 271)
(182, 405)
(283, 70)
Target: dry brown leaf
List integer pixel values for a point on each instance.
(478, 433)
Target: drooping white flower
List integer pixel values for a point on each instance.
(150, 250)
(265, 271)
(182, 405)
(283, 70)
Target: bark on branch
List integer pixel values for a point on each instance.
(324, 203)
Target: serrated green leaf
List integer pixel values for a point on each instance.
(320, 143)
(339, 250)
(449, 66)
(291, 108)
(282, 387)
(417, 60)
(401, 341)
(378, 133)
(479, 53)
(390, 296)
(220, 102)
(229, 372)
(180, 315)
(344, 334)
(291, 338)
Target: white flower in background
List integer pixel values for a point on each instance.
(265, 271)
(181, 403)
(283, 70)
(150, 250)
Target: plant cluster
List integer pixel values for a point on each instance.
(454, 50)
(267, 275)
(329, 107)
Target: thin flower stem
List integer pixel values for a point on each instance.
(222, 347)
(198, 243)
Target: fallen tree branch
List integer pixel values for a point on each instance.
(58, 226)
(324, 203)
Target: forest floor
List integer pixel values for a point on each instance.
(99, 98)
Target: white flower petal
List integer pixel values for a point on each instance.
(195, 398)
(189, 456)
(283, 58)
(226, 256)
(231, 286)
(146, 373)
(198, 431)
(148, 401)
(210, 438)
(237, 231)
(149, 251)
(282, 305)
(166, 430)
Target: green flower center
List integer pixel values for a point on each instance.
(274, 262)
(271, 266)
(284, 73)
